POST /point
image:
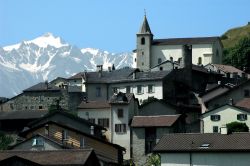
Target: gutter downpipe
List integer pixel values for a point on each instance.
(190, 159)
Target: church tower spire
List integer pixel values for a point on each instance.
(144, 40)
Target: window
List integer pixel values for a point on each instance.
(161, 68)
(128, 89)
(242, 117)
(215, 129)
(139, 89)
(142, 53)
(150, 88)
(159, 60)
(199, 61)
(120, 128)
(92, 120)
(142, 63)
(135, 59)
(150, 139)
(82, 142)
(142, 41)
(103, 122)
(38, 142)
(215, 117)
(179, 60)
(64, 135)
(40, 107)
(228, 75)
(246, 93)
(235, 75)
(115, 90)
(120, 113)
(98, 91)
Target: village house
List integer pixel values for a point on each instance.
(213, 120)
(151, 52)
(41, 96)
(70, 131)
(115, 115)
(204, 149)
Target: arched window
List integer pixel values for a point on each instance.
(142, 41)
(159, 60)
(199, 61)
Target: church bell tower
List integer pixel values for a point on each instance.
(143, 46)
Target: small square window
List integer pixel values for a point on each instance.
(120, 128)
(242, 117)
(104, 122)
(150, 88)
(92, 120)
(40, 107)
(215, 117)
(215, 129)
(120, 113)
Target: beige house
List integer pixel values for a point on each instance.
(213, 120)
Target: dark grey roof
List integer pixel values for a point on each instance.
(121, 98)
(145, 29)
(30, 114)
(182, 41)
(42, 86)
(122, 75)
(52, 157)
(211, 142)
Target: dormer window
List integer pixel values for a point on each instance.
(215, 117)
(142, 41)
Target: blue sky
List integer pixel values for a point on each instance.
(112, 24)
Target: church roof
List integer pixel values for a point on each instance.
(182, 41)
(145, 27)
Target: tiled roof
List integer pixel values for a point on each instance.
(122, 75)
(211, 142)
(182, 41)
(232, 106)
(94, 104)
(42, 86)
(228, 69)
(154, 121)
(245, 103)
(31, 114)
(52, 157)
(121, 98)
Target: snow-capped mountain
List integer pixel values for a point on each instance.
(47, 57)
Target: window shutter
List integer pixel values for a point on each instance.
(218, 117)
(245, 116)
(238, 117)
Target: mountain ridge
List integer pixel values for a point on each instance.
(47, 57)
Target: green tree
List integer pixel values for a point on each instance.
(153, 160)
(237, 127)
(5, 141)
(239, 55)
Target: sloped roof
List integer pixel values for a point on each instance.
(52, 157)
(94, 104)
(228, 68)
(145, 29)
(245, 103)
(121, 98)
(29, 114)
(122, 75)
(42, 86)
(154, 121)
(216, 142)
(182, 41)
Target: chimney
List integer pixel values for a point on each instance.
(187, 65)
(223, 129)
(109, 68)
(99, 70)
(92, 130)
(47, 84)
(231, 101)
(134, 75)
